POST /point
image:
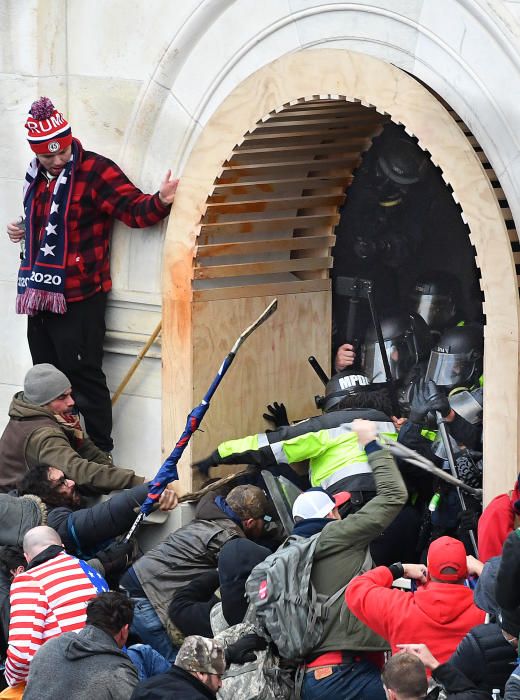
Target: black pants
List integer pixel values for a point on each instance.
(73, 342)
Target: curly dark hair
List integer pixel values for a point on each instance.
(11, 557)
(36, 482)
(110, 611)
(378, 399)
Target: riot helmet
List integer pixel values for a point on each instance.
(347, 383)
(407, 341)
(400, 163)
(457, 359)
(433, 298)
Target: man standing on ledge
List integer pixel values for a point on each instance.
(71, 197)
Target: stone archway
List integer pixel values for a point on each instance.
(337, 74)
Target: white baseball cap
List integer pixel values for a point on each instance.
(312, 504)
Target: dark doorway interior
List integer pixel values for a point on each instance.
(400, 224)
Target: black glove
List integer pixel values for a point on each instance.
(204, 465)
(116, 557)
(244, 650)
(468, 520)
(427, 397)
(277, 414)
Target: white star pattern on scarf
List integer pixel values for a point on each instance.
(47, 249)
(54, 208)
(51, 229)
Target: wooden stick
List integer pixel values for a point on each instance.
(136, 363)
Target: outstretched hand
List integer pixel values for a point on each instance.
(168, 188)
(204, 465)
(277, 414)
(422, 652)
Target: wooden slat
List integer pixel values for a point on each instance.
(285, 222)
(266, 186)
(261, 268)
(271, 289)
(513, 235)
(331, 112)
(258, 205)
(279, 138)
(351, 145)
(264, 246)
(323, 123)
(297, 165)
(321, 153)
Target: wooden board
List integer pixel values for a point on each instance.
(271, 365)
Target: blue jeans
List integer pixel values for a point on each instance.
(147, 661)
(149, 628)
(357, 680)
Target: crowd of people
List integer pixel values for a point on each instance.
(362, 581)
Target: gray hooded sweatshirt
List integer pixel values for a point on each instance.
(81, 665)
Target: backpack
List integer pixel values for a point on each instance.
(288, 609)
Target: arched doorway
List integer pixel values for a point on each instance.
(200, 323)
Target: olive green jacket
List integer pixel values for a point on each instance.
(341, 551)
(34, 436)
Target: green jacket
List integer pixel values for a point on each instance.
(327, 441)
(341, 551)
(34, 436)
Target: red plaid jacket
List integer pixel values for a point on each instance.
(101, 193)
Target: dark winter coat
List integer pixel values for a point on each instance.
(82, 665)
(485, 657)
(175, 683)
(456, 684)
(84, 531)
(184, 554)
(507, 591)
(190, 608)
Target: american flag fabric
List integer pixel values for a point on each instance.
(45, 602)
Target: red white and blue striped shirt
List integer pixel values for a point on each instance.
(45, 602)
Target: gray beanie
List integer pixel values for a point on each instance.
(44, 383)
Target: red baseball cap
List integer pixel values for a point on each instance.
(447, 553)
(341, 498)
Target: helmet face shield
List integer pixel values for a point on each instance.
(398, 355)
(436, 309)
(448, 369)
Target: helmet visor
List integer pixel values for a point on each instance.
(398, 359)
(436, 309)
(449, 369)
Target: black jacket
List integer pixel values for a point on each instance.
(175, 683)
(85, 531)
(485, 657)
(507, 591)
(189, 610)
(456, 685)
(191, 606)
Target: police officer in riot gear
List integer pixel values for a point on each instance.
(407, 341)
(456, 362)
(433, 298)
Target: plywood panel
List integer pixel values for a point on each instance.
(271, 366)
